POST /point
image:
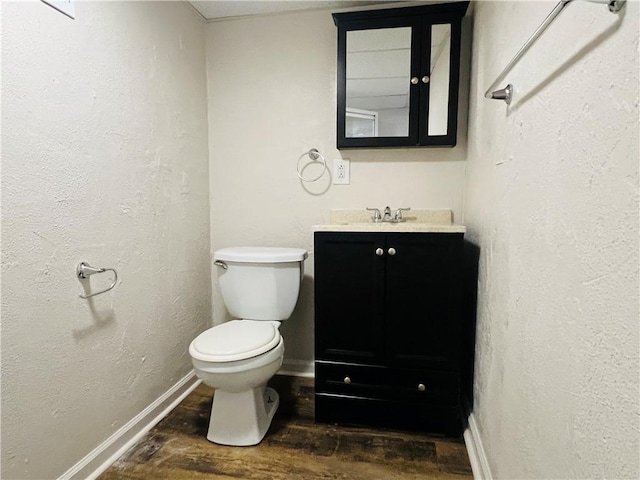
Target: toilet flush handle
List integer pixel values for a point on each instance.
(220, 263)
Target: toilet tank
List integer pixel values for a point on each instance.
(260, 283)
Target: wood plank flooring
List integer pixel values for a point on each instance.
(294, 447)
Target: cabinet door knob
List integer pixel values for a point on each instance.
(425, 79)
(391, 251)
(347, 380)
(421, 387)
(414, 80)
(379, 251)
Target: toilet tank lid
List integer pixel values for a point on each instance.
(260, 254)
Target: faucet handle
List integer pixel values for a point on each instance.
(398, 215)
(377, 216)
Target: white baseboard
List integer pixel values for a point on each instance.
(475, 448)
(297, 368)
(101, 457)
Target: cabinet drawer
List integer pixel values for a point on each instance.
(387, 383)
(343, 410)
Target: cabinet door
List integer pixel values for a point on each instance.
(377, 58)
(423, 300)
(349, 283)
(440, 80)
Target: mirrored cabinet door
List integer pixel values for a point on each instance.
(378, 78)
(439, 77)
(439, 89)
(398, 75)
(377, 101)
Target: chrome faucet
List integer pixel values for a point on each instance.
(378, 217)
(387, 214)
(397, 217)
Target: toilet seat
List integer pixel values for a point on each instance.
(235, 340)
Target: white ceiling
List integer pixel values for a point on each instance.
(218, 9)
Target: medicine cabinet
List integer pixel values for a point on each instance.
(398, 76)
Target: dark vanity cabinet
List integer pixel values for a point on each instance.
(389, 329)
(399, 76)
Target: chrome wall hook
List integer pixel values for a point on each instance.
(84, 271)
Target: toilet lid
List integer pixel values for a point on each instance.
(235, 340)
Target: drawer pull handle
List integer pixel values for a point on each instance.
(391, 251)
(347, 380)
(421, 387)
(379, 251)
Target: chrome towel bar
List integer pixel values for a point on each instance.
(505, 94)
(84, 270)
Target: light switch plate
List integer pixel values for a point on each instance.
(341, 174)
(64, 6)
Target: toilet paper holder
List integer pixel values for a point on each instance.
(84, 271)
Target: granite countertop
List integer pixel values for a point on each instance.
(425, 221)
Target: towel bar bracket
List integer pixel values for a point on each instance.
(616, 5)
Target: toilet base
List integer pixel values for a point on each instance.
(242, 419)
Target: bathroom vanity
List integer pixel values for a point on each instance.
(390, 325)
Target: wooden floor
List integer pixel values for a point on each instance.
(294, 447)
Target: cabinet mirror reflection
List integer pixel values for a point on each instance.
(379, 76)
(439, 79)
(378, 79)
(398, 76)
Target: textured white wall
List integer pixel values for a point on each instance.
(104, 159)
(552, 200)
(272, 96)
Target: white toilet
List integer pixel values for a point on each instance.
(260, 287)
